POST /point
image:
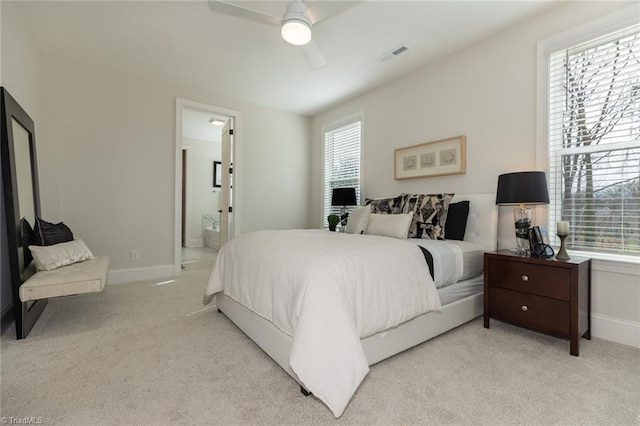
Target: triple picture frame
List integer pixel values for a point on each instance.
(437, 158)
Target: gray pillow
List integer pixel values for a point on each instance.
(48, 234)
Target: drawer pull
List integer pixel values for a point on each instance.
(525, 308)
(525, 278)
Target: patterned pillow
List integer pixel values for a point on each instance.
(386, 205)
(429, 214)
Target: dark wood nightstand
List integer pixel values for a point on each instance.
(545, 295)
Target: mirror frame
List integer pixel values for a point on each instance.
(25, 314)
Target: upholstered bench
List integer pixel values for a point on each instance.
(89, 276)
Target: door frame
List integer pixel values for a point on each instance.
(181, 104)
(185, 199)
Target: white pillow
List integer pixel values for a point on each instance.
(358, 220)
(390, 225)
(52, 257)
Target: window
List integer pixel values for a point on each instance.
(594, 142)
(342, 146)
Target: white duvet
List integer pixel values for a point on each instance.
(326, 290)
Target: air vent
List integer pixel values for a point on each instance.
(393, 53)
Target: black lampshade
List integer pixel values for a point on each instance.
(343, 197)
(522, 188)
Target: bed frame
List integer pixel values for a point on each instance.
(481, 229)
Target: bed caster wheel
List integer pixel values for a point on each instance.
(304, 391)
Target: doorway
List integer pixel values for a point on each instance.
(201, 183)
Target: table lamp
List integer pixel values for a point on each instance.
(343, 197)
(521, 189)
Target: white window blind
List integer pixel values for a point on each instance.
(342, 147)
(594, 143)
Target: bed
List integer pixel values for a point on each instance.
(322, 371)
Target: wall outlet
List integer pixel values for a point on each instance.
(135, 254)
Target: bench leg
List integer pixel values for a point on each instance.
(304, 391)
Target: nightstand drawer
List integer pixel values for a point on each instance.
(542, 280)
(534, 312)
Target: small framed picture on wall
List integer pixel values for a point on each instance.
(217, 174)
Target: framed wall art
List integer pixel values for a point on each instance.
(437, 158)
(217, 174)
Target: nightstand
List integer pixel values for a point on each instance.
(545, 295)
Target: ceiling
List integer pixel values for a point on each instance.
(186, 43)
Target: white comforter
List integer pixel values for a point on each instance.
(326, 290)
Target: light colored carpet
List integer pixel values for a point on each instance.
(141, 353)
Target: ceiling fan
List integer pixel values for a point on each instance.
(296, 23)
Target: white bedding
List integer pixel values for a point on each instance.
(328, 290)
(447, 261)
(472, 258)
(457, 260)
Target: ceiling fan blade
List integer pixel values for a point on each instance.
(312, 54)
(238, 10)
(321, 10)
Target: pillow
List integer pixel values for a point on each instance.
(386, 205)
(27, 239)
(429, 216)
(409, 206)
(389, 225)
(456, 220)
(48, 234)
(358, 220)
(54, 256)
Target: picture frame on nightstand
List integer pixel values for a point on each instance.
(545, 234)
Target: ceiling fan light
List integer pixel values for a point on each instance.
(296, 32)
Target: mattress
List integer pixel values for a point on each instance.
(472, 280)
(461, 289)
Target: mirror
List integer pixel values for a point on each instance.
(22, 152)
(24, 182)
(21, 200)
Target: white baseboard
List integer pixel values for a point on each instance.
(121, 276)
(615, 330)
(196, 242)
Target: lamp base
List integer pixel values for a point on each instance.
(344, 215)
(522, 218)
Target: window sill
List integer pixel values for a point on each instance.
(619, 264)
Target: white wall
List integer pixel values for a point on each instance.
(488, 93)
(19, 67)
(278, 161)
(20, 60)
(107, 162)
(203, 197)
